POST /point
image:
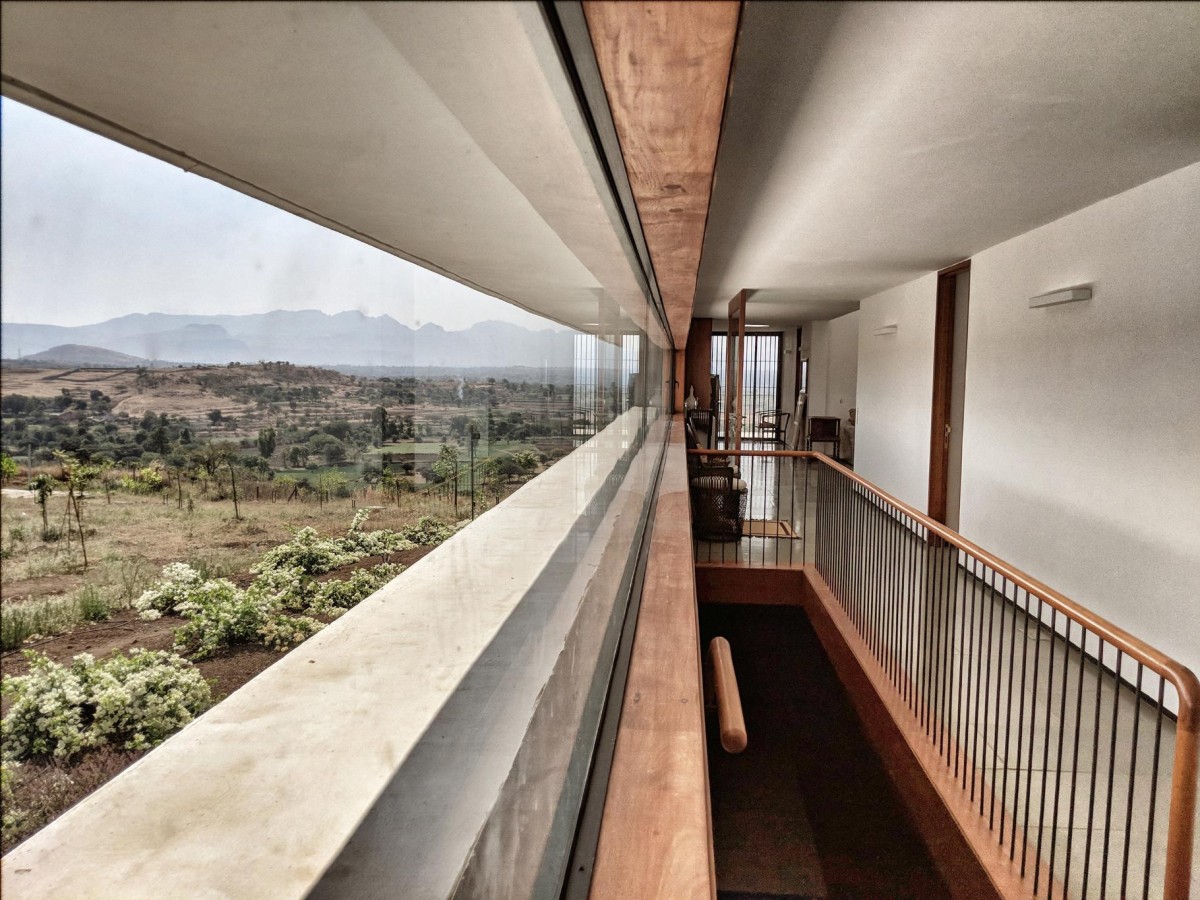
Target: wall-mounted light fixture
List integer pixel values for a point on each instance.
(1066, 295)
(887, 329)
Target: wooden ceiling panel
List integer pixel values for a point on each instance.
(665, 67)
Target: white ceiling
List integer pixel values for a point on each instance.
(867, 144)
(864, 144)
(445, 133)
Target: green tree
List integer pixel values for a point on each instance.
(226, 455)
(77, 475)
(446, 467)
(8, 467)
(42, 487)
(266, 442)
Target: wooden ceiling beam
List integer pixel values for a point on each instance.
(665, 67)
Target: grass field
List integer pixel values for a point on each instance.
(44, 588)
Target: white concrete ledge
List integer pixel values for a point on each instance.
(373, 754)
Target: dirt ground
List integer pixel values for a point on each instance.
(149, 530)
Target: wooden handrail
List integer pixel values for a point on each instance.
(729, 700)
(1184, 680)
(1187, 741)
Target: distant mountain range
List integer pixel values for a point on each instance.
(304, 337)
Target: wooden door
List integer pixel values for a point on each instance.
(943, 373)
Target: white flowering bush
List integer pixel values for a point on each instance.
(220, 614)
(282, 632)
(428, 531)
(174, 586)
(335, 597)
(277, 609)
(286, 588)
(309, 552)
(133, 701)
(12, 816)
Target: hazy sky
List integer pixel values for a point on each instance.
(92, 230)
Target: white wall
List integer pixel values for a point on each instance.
(833, 367)
(895, 389)
(1081, 434)
(1081, 453)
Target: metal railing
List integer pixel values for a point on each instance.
(1073, 743)
(754, 507)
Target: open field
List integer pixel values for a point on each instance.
(130, 539)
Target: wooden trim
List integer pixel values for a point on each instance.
(666, 70)
(733, 583)
(679, 394)
(939, 416)
(735, 365)
(699, 361)
(656, 834)
(961, 266)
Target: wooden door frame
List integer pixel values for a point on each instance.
(735, 339)
(943, 374)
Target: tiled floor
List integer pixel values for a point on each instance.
(776, 492)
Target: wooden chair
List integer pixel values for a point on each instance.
(776, 422)
(824, 430)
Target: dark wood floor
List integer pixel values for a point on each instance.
(807, 810)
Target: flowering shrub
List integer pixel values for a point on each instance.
(335, 597)
(282, 632)
(310, 552)
(428, 531)
(287, 588)
(133, 701)
(219, 614)
(177, 582)
(12, 817)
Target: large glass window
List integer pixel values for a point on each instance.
(761, 374)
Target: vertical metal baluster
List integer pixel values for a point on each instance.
(1012, 659)
(910, 550)
(946, 649)
(840, 547)
(930, 638)
(935, 656)
(1162, 685)
(1112, 765)
(1012, 850)
(1137, 709)
(895, 548)
(873, 510)
(1075, 759)
(1087, 847)
(999, 694)
(1037, 863)
(980, 696)
(1033, 710)
(1062, 733)
(964, 671)
(804, 520)
(920, 604)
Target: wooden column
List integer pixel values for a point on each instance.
(698, 367)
